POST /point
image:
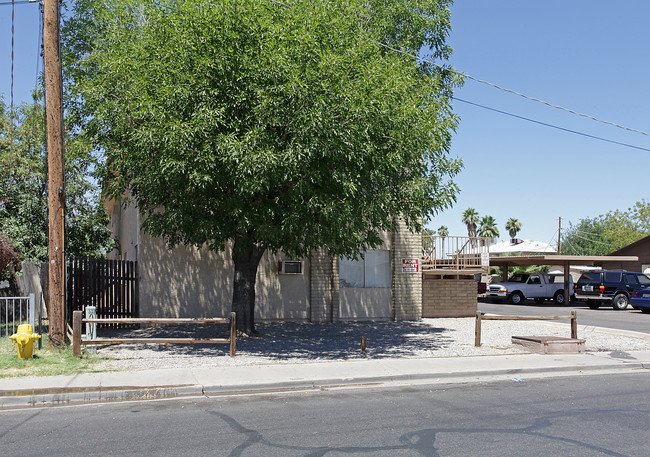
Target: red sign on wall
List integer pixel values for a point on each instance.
(410, 265)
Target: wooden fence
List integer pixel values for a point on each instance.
(111, 286)
(78, 320)
(482, 317)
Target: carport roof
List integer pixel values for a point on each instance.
(596, 260)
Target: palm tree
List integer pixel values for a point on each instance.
(443, 232)
(470, 218)
(513, 226)
(488, 228)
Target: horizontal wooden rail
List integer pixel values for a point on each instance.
(482, 317)
(77, 321)
(156, 320)
(155, 340)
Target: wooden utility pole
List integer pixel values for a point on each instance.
(559, 234)
(55, 167)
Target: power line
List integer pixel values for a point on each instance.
(588, 233)
(551, 125)
(13, 14)
(496, 86)
(465, 75)
(39, 45)
(17, 2)
(591, 241)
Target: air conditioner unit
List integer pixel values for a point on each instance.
(290, 267)
(516, 241)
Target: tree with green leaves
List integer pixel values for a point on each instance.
(9, 261)
(488, 227)
(513, 226)
(470, 219)
(443, 232)
(267, 125)
(607, 233)
(23, 189)
(587, 237)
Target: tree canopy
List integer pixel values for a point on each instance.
(607, 233)
(275, 126)
(9, 261)
(513, 226)
(488, 227)
(23, 189)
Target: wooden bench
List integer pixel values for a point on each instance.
(78, 320)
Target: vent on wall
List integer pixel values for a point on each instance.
(290, 267)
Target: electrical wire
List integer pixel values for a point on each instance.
(575, 251)
(13, 11)
(591, 241)
(39, 45)
(496, 86)
(551, 125)
(17, 2)
(588, 233)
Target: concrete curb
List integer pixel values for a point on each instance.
(97, 396)
(89, 395)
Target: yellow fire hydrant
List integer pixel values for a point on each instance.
(24, 339)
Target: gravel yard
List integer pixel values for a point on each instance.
(305, 342)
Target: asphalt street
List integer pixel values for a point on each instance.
(576, 416)
(629, 319)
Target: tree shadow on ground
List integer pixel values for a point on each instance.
(289, 340)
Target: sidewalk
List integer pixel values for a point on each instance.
(231, 380)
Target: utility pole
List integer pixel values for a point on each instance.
(559, 234)
(55, 167)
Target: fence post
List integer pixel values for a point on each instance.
(574, 324)
(40, 319)
(477, 330)
(91, 329)
(233, 334)
(32, 310)
(76, 333)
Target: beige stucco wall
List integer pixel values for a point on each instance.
(191, 282)
(366, 304)
(125, 227)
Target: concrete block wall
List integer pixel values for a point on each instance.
(324, 293)
(449, 297)
(407, 287)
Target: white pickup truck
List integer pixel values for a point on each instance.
(538, 286)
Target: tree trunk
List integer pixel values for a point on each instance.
(247, 260)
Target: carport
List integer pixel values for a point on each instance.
(564, 260)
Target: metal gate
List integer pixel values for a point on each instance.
(15, 311)
(111, 286)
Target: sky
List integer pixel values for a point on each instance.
(589, 56)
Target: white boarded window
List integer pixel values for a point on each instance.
(371, 271)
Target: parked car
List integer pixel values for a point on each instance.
(640, 299)
(539, 286)
(608, 287)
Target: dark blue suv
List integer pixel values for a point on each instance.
(613, 287)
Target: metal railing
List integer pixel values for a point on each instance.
(455, 252)
(15, 311)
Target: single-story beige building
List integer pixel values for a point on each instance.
(189, 282)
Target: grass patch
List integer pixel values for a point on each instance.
(48, 362)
